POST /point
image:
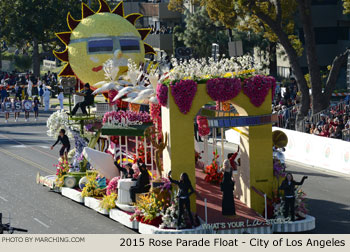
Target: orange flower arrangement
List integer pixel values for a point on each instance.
(214, 176)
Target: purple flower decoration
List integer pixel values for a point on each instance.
(183, 93)
(257, 88)
(278, 170)
(162, 94)
(223, 89)
(132, 116)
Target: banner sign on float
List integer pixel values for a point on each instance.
(328, 153)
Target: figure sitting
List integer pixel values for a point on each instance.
(142, 183)
(288, 186)
(88, 100)
(184, 193)
(126, 172)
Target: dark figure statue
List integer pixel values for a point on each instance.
(184, 193)
(126, 172)
(142, 183)
(88, 100)
(227, 187)
(288, 186)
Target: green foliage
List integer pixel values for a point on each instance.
(177, 42)
(201, 32)
(178, 5)
(21, 62)
(24, 20)
(246, 16)
(346, 5)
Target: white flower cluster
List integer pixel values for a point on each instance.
(170, 217)
(56, 122)
(278, 210)
(208, 68)
(111, 71)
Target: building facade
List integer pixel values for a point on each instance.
(162, 21)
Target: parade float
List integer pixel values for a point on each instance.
(146, 130)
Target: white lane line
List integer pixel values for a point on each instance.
(3, 199)
(40, 222)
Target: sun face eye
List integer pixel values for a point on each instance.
(102, 45)
(129, 45)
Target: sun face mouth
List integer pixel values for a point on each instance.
(97, 69)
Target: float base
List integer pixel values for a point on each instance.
(72, 194)
(123, 218)
(95, 205)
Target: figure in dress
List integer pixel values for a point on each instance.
(227, 187)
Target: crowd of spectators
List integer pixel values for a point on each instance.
(333, 125)
(333, 122)
(285, 105)
(22, 84)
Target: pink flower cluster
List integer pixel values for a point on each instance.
(155, 112)
(183, 93)
(132, 116)
(257, 88)
(162, 94)
(112, 186)
(203, 126)
(223, 89)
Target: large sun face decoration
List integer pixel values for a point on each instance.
(98, 37)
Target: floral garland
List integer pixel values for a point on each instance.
(183, 93)
(162, 94)
(141, 152)
(130, 115)
(203, 126)
(156, 116)
(257, 88)
(223, 89)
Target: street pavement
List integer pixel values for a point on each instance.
(25, 150)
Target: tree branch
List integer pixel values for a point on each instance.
(293, 59)
(278, 6)
(334, 73)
